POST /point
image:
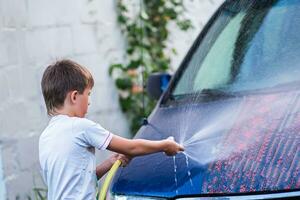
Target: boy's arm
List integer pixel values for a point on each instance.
(103, 168)
(137, 147)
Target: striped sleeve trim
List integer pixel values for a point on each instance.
(106, 141)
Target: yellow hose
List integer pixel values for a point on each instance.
(108, 179)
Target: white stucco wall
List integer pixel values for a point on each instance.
(34, 33)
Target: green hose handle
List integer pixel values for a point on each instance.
(108, 179)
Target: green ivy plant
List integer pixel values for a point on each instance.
(146, 36)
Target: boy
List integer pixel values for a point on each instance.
(67, 145)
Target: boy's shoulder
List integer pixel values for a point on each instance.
(83, 122)
(64, 121)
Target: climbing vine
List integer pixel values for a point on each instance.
(146, 36)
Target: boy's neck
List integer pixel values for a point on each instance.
(65, 111)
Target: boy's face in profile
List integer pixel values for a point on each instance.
(82, 102)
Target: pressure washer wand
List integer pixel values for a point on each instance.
(108, 179)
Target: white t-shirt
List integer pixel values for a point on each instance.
(67, 157)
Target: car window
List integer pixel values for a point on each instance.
(219, 56)
(250, 45)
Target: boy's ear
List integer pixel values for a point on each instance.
(73, 96)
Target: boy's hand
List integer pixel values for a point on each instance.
(124, 159)
(172, 147)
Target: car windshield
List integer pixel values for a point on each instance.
(250, 45)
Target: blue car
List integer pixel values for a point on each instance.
(234, 103)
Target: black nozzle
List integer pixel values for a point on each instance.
(145, 122)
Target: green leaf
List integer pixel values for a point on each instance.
(174, 51)
(184, 25)
(144, 15)
(134, 64)
(125, 104)
(123, 83)
(113, 67)
(122, 19)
